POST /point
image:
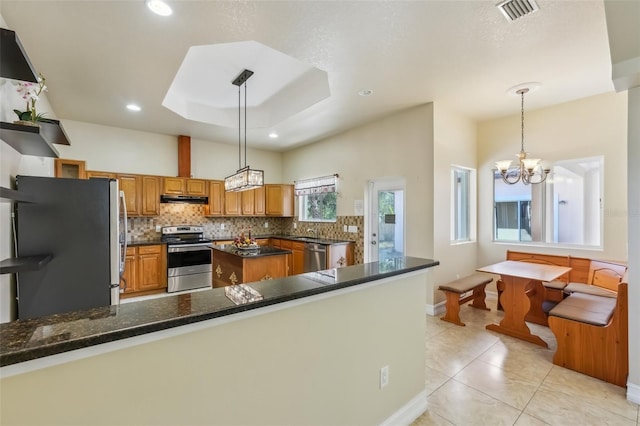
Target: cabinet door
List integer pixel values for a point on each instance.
(279, 200)
(259, 202)
(247, 202)
(173, 185)
(196, 187)
(232, 203)
(93, 174)
(298, 258)
(150, 196)
(216, 199)
(130, 185)
(129, 280)
(69, 168)
(152, 272)
(275, 242)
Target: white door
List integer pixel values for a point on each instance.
(384, 220)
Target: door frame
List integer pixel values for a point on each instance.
(371, 188)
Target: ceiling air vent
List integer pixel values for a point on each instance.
(514, 9)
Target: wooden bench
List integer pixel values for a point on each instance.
(455, 290)
(592, 334)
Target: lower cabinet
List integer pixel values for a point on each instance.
(145, 270)
(298, 258)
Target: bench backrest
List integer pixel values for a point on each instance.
(606, 274)
(547, 259)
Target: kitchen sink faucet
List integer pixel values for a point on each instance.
(314, 232)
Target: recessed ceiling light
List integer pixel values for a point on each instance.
(159, 7)
(133, 107)
(365, 92)
(273, 135)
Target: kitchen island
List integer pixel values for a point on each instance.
(232, 265)
(310, 330)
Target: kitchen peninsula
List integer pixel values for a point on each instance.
(233, 265)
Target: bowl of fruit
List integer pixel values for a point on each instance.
(245, 243)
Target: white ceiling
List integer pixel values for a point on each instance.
(97, 56)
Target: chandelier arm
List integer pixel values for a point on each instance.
(514, 173)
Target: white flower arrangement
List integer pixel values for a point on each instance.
(30, 93)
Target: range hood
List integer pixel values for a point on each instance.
(184, 199)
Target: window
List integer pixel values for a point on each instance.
(317, 199)
(463, 204)
(565, 209)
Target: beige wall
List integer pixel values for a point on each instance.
(587, 127)
(454, 144)
(316, 363)
(130, 151)
(400, 145)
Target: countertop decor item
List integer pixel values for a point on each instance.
(245, 178)
(528, 170)
(30, 93)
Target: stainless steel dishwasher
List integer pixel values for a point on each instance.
(315, 257)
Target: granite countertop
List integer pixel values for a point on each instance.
(30, 339)
(259, 251)
(327, 241)
(144, 242)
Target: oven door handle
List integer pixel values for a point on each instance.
(188, 247)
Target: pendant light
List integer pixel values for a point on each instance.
(245, 178)
(527, 170)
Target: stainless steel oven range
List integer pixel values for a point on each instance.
(188, 257)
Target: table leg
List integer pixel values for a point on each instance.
(515, 304)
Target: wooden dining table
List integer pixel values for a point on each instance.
(517, 277)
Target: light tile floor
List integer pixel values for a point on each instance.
(478, 377)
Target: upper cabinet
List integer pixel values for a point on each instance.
(216, 199)
(184, 186)
(74, 169)
(279, 200)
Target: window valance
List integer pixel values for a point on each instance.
(316, 185)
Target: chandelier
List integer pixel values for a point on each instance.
(528, 170)
(245, 178)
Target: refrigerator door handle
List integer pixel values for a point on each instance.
(124, 233)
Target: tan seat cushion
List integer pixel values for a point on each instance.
(590, 289)
(464, 284)
(586, 308)
(555, 284)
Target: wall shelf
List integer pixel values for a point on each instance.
(32, 140)
(24, 264)
(11, 195)
(14, 62)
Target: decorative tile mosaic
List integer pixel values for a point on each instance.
(191, 214)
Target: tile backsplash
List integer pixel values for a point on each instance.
(192, 214)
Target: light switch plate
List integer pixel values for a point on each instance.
(353, 229)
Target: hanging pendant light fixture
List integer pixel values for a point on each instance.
(245, 178)
(528, 170)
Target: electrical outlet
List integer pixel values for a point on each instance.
(346, 228)
(158, 228)
(353, 229)
(222, 226)
(384, 376)
(295, 225)
(266, 224)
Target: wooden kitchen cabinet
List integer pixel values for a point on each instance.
(279, 200)
(69, 168)
(297, 249)
(184, 186)
(150, 196)
(131, 186)
(94, 174)
(247, 203)
(259, 201)
(216, 199)
(232, 203)
(145, 270)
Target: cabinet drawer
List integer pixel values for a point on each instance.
(286, 244)
(297, 245)
(149, 249)
(131, 251)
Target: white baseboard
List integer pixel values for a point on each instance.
(435, 310)
(409, 412)
(633, 392)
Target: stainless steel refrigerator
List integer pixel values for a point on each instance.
(81, 223)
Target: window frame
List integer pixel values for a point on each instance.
(471, 211)
(302, 205)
